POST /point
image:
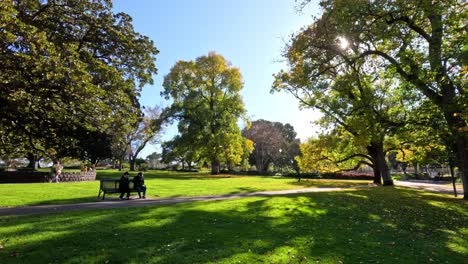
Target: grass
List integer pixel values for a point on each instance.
(161, 184)
(375, 225)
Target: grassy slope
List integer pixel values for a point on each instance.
(159, 183)
(376, 225)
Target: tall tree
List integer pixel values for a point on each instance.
(424, 42)
(274, 143)
(207, 104)
(367, 106)
(154, 160)
(181, 149)
(146, 131)
(68, 67)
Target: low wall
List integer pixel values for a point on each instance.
(78, 176)
(25, 176)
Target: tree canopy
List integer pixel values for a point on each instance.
(208, 105)
(421, 43)
(69, 69)
(274, 143)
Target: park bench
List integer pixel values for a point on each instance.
(111, 186)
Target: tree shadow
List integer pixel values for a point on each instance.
(387, 225)
(84, 199)
(329, 183)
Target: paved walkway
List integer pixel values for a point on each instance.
(108, 204)
(441, 187)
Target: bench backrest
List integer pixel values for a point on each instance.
(112, 184)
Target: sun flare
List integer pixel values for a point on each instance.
(343, 43)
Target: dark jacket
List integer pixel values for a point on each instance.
(124, 183)
(139, 181)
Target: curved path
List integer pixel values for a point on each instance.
(115, 203)
(431, 186)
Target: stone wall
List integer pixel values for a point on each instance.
(25, 176)
(78, 176)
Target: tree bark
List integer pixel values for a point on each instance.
(377, 175)
(131, 161)
(265, 167)
(215, 167)
(32, 158)
(381, 170)
(459, 133)
(405, 175)
(453, 180)
(462, 158)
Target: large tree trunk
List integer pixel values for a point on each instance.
(131, 161)
(459, 132)
(453, 180)
(214, 167)
(405, 175)
(462, 158)
(120, 164)
(265, 167)
(383, 168)
(32, 158)
(377, 153)
(377, 175)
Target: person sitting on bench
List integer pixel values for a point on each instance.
(139, 185)
(124, 186)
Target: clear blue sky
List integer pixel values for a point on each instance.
(251, 34)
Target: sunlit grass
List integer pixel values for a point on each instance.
(385, 225)
(161, 184)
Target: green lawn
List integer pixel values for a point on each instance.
(160, 184)
(375, 225)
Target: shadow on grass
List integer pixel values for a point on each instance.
(330, 183)
(384, 225)
(86, 199)
(174, 175)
